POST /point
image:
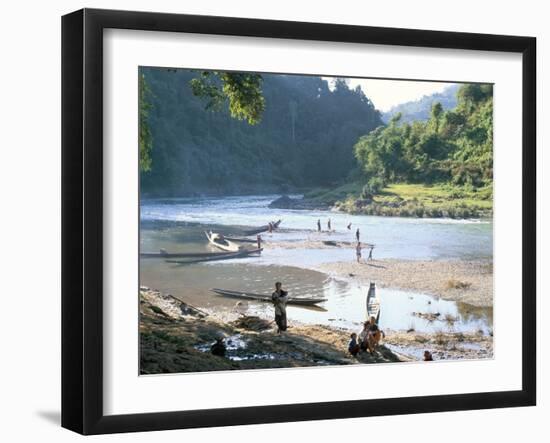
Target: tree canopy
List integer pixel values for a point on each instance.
(242, 91)
(451, 146)
(145, 140)
(236, 132)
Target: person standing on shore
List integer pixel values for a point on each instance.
(369, 258)
(279, 298)
(318, 225)
(329, 225)
(259, 240)
(358, 235)
(358, 252)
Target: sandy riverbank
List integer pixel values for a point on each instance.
(458, 280)
(175, 337)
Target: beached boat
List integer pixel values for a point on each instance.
(222, 256)
(373, 303)
(267, 298)
(221, 242)
(164, 254)
(265, 228)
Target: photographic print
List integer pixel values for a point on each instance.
(291, 220)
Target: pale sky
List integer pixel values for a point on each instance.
(387, 93)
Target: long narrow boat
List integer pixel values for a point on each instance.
(267, 298)
(182, 254)
(227, 256)
(264, 228)
(221, 242)
(373, 303)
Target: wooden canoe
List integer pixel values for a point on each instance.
(225, 256)
(267, 298)
(221, 242)
(182, 254)
(264, 228)
(373, 303)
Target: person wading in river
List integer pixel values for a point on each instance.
(319, 225)
(279, 298)
(358, 235)
(259, 240)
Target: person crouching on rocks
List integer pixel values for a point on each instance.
(374, 336)
(353, 346)
(218, 348)
(279, 298)
(364, 336)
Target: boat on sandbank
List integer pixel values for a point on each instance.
(274, 225)
(303, 301)
(373, 303)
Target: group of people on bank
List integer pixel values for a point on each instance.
(368, 339)
(358, 246)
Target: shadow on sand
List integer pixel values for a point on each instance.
(54, 417)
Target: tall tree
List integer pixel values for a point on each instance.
(145, 140)
(303, 123)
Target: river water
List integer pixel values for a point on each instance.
(178, 225)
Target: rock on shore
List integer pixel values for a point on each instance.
(286, 202)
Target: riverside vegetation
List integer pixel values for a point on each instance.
(442, 167)
(215, 133)
(407, 200)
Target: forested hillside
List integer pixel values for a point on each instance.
(420, 109)
(305, 136)
(442, 167)
(454, 146)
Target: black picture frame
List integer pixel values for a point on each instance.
(82, 218)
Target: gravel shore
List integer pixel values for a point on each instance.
(458, 280)
(176, 337)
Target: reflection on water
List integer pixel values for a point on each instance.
(346, 308)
